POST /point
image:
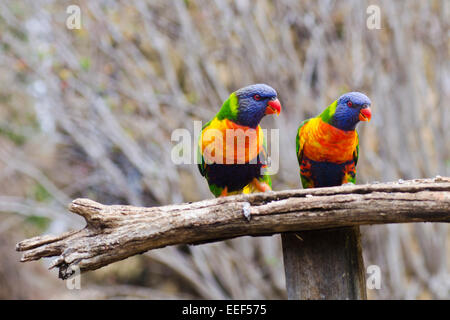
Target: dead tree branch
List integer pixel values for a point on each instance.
(117, 232)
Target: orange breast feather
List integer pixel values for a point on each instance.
(226, 142)
(325, 143)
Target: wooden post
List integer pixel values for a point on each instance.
(324, 264)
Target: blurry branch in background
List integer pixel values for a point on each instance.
(116, 232)
(18, 163)
(89, 113)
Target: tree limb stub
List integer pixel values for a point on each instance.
(116, 232)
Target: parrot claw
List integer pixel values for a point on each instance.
(261, 186)
(348, 184)
(224, 192)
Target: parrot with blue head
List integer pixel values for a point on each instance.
(328, 145)
(232, 148)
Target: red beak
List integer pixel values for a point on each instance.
(273, 106)
(365, 114)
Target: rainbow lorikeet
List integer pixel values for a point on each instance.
(327, 145)
(232, 147)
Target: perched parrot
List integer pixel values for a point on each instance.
(232, 148)
(327, 145)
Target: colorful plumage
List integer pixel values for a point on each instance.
(327, 145)
(232, 146)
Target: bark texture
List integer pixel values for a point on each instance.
(324, 264)
(116, 232)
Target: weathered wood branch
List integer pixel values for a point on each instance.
(116, 232)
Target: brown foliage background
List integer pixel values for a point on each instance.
(90, 113)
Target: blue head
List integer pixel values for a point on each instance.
(351, 108)
(254, 102)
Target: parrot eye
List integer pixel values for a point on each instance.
(349, 103)
(257, 97)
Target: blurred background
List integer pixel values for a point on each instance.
(90, 112)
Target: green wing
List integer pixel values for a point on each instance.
(200, 159)
(352, 173)
(298, 148)
(356, 152)
(264, 159)
(306, 182)
(202, 165)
